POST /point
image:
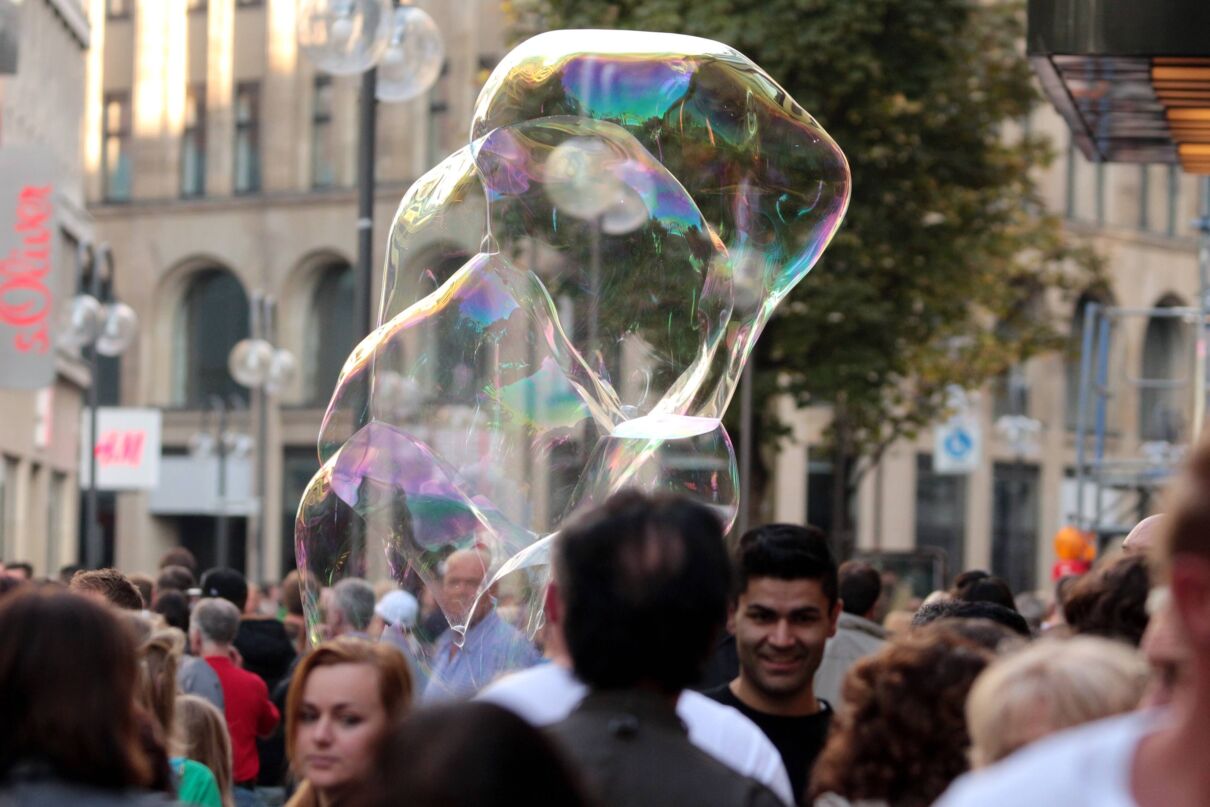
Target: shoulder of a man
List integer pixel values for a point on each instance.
(731, 737)
(1056, 770)
(540, 695)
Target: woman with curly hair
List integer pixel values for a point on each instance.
(901, 737)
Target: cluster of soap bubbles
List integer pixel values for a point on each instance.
(568, 304)
(346, 37)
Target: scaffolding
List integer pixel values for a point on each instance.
(1119, 470)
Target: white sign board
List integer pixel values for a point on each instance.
(127, 448)
(957, 446)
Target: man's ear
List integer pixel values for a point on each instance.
(1190, 586)
(834, 617)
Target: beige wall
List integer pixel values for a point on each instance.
(45, 103)
(1143, 267)
(270, 240)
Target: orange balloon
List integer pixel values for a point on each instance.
(1072, 543)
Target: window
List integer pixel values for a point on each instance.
(1100, 192)
(1015, 524)
(247, 137)
(1075, 355)
(332, 332)
(196, 5)
(941, 512)
(323, 140)
(213, 316)
(193, 143)
(1167, 359)
(8, 504)
(115, 152)
(1144, 197)
(1173, 195)
(56, 501)
(439, 109)
(118, 9)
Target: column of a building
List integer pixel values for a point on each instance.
(282, 139)
(158, 96)
(220, 93)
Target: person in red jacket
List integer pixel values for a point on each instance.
(249, 712)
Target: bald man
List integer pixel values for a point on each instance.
(1144, 535)
(492, 646)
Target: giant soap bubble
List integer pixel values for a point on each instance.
(567, 306)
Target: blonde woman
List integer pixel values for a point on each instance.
(344, 698)
(201, 735)
(159, 655)
(1050, 685)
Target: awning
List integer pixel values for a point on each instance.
(1130, 77)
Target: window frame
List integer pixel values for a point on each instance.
(250, 129)
(122, 134)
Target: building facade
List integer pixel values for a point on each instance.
(42, 102)
(1003, 515)
(226, 170)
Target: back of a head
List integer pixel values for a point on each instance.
(145, 586)
(902, 737)
(229, 584)
(179, 556)
(291, 591)
(201, 734)
(110, 584)
(174, 607)
(216, 620)
(987, 589)
(1111, 600)
(355, 599)
(159, 655)
(786, 552)
(959, 609)
(643, 582)
(67, 690)
(470, 754)
(175, 578)
(860, 585)
(1048, 686)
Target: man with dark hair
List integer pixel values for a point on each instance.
(857, 634)
(959, 609)
(108, 585)
(67, 572)
(179, 556)
(20, 570)
(986, 589)
(175, 578)
(785, 607)
(643, 584)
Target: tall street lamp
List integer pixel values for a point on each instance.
(398, 51)
(256, 363)
(99, 325)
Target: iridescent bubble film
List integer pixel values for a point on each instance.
(567, 306)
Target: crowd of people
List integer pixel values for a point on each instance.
(669, 670)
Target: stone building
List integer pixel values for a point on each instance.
(42, 102)
(227, 170)
(1003, 515)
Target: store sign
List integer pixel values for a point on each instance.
(29, 237)
(127, 448)
(957, 446)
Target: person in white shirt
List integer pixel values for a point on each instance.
(1144, 759)
(546, 694)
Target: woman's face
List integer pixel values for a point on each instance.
(340, 724)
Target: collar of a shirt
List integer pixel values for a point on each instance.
(647, 707)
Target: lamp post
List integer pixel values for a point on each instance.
(256, 363)
(222, 443)
(397, 49)
(99, 325)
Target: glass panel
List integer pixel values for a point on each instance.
(333, 334)
(247, 138)
(941, 512)
(1015, 524)
(215, 318)
(323, 144)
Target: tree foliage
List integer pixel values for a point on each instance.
(941, 270)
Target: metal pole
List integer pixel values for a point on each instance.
(223, 538)
(262, 450)
(1202, 224)
(94, 540)
(1091, 311)
(367, 115)
(1102, 405)
(745, 446)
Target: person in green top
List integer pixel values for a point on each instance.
(195, 783)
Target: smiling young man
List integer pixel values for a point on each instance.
(784, 609)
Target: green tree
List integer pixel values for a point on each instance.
(946, 258)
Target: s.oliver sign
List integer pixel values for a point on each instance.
(127, 448)
(29, 236)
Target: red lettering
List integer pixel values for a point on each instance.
(120, 448)
(25, 301)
